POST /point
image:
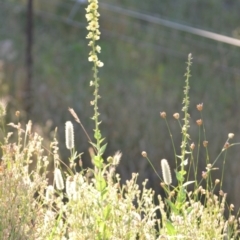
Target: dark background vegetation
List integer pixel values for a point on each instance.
(143, 75)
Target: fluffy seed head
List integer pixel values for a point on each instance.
(49, 193)
(116, 158)
(70, 186)
(167, 177)
(69, 134)
(58, 179)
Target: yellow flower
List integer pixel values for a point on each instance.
(93, 25)
(93, 58)
(96, 37)
(93, 6)
(97, 32)
(88, 9)
(89, 16)
(90, 43)
(98, 49)
(100, 64)
(90, 35)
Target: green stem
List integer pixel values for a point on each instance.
(170, 133)
(224, 161)
(153, 168)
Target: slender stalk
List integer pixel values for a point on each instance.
(171, 136)
(224, 161)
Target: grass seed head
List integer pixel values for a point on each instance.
(200, 107)
(69, 135)
(167, 177)
(176, 115)
(163, 115)
(58, 179)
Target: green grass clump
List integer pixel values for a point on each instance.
(44, 198)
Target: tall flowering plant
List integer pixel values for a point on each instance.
(92, 16)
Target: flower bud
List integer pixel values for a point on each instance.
(176, 115)
(230, 135)
(163, 114)
(199, 122)
(200, 107)
(217, 181)
(204, 174)
(144, 154)
(205, 143)
(192, 146)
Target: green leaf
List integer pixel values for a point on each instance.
(106, 212)
(187, 183)
(172, 206)
(181, 198)
(103, 193)
(93, 144)
(170, 228)
(102, 226)
(100, 183)
(183, 172)
(179, 176)
(98, 161)
(189, 210)
(102, 149)
(184, 163)
(97, 135)
(101, 140)
(178, 156)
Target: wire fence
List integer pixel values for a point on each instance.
(72, 7)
